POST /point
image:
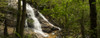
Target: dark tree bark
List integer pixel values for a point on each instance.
(18, 18)
(23, 19)
(5, 24)
(83, 0)
(32, 1)
(82, 23)
(5, 30)
(93, 19)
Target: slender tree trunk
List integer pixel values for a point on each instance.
(23, 19)
(82, 23)
(83, 0)
(5, 30)
(32, 1)
(5, 24)
(93, 19)
(18, 18)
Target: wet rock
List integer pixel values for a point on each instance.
(30, 23)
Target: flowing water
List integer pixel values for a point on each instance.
(36, 23)
(31, 15)
(48, 21)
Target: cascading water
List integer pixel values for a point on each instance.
(48, 21)
(37, 25)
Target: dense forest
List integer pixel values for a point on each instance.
(71, 18)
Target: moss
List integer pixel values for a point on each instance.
(30, 20)
(30, 23)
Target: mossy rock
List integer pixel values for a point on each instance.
(30, 23)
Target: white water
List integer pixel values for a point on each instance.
(31, 15)
(47, 20)
(36, 23)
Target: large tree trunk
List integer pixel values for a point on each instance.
(23, 19)
(18, 18)
(93, 19)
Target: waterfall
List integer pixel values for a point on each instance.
(48, 21)
(36, 23)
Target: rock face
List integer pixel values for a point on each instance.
(46, 25)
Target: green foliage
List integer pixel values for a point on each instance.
(1, 16)
(3, 3)
(18, 34)
(30, 20)
(67, 13)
